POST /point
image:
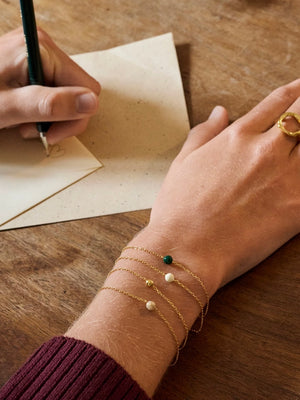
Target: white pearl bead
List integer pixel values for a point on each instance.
(150, 305)
(169, 277)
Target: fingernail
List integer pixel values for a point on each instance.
(86, 103)
(216, 112)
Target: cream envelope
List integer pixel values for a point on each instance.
(139, 129)
(28, 177)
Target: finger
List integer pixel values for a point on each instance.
(13, 66)
(39, 103)
(295, 153)
(202, 133)
(60, 69)
(28, 131)
(263, 116)
(281, 138)
(62, 130)
(57, 132)
(11, 34)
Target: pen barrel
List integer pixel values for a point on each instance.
(43, 126)
(35, 68)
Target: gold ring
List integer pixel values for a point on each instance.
(283, 129)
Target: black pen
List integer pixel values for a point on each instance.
(35, 67)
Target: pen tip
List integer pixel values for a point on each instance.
(45, 143)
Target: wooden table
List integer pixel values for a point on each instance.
(232, 53)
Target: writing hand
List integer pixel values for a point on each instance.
(69, 99)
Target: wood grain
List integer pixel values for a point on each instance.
(231, 53)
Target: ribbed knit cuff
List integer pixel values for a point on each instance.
(69, 369)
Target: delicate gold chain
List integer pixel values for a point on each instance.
(154, 308)
(176, 281)
(150, 284)
(124, 292)
(178, 265)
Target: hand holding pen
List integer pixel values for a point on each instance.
(68, 99)
(35, 67)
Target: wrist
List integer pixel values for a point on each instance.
(202, 262)
(118, 322)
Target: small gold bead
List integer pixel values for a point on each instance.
(149, 283)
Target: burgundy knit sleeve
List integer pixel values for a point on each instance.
(69, 369)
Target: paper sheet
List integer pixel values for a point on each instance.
(27, 176)
(139, 129)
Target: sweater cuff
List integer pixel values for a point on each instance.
(69, 369)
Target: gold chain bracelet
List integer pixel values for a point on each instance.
(170, 278)
(151, 284)
(169, 260)
(150, 306)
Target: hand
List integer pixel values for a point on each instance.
(69, 100)
(232, 196)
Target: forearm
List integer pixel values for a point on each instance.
(140, 340)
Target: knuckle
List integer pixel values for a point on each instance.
(19, 38)
(42, 35)
(236, 129)
(46, 105)
(265, 150)
(284, 93)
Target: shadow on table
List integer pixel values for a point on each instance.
(184, 60)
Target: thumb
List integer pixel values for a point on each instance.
(204, 132)
(41, 103)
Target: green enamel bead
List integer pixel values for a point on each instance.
(168, 259)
